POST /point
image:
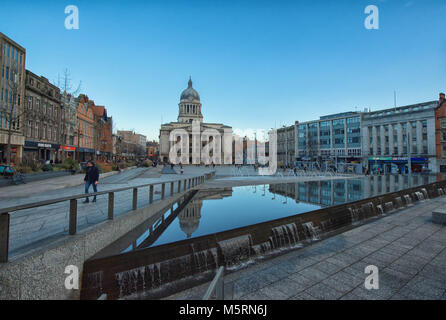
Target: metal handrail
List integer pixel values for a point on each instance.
(184, 184)
(83, 195)
(217, 286)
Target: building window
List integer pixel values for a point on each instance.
(30, 103)
(443, 123)
(28, 129)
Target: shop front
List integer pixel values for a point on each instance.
(41, 151)
(14, 153)
(397, 165)
(67, 152)
(86, 154)
(17, 141)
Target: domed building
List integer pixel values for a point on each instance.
(189, 109)
(189, 106)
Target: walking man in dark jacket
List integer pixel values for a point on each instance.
(91, 178)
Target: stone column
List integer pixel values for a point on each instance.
(375, 140)
(382, 134)
(399, 142)
(391, 143)
(365, 141)
(431, 137)
(409, 137)
(419, 137)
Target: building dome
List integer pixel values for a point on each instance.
(190, 94)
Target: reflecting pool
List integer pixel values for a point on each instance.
(217, 210)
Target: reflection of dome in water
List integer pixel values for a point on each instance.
(190, 217)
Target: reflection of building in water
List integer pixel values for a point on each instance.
(327, 193)
(189, 217)
(391, 183)
(334, 192)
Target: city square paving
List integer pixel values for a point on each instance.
(408, 249)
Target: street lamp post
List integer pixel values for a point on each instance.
(79, 137)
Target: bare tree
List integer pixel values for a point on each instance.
(65, 84)
(69, 123)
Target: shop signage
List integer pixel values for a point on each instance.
(396, 159)
(67, 148)
(380, 158)
(36, 144)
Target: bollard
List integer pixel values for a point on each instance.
(111, 205)
(171, 188)
(4, 236)
(73, 217)
(135, 198)
(163, 189)
(179, 186)
(185, 184)
(151, 194)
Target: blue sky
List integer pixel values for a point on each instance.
(256, 64)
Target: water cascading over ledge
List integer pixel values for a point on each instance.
(162, 270)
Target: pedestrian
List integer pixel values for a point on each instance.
(91, 178)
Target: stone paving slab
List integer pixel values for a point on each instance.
(410, 256)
